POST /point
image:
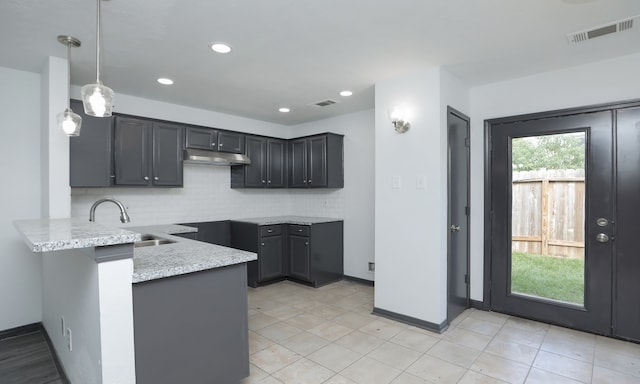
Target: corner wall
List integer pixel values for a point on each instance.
(20, 270)
(356, 199)
(602, 82)
(410, 222)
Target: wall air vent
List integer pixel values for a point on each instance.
(325, 103)
(614, 27)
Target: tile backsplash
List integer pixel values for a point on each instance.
(206, 196)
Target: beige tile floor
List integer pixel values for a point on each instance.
(301, 335)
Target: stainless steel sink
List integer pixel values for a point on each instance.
(151, 241)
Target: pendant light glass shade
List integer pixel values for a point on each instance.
(97, 98)
(68, 121)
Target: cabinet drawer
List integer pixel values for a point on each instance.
(300, 230)
(270, 230)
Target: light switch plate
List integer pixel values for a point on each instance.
(421, 182)
(396, 182)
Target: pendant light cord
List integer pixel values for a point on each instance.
(98, 28)
(68, 75)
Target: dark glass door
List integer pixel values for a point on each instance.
(552, 188)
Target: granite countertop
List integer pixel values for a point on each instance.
(182, 257)
(60, 234)
(300, 220)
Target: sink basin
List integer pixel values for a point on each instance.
(151, 241)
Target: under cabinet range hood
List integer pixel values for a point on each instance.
(198, 156)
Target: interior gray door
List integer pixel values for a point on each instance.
(458, 206)
(590, 309)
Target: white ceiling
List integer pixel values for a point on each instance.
(297, 52)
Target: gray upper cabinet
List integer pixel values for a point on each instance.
(90, 154)
(214, 140)
(147, 153)
(317, 161)
(268, 164)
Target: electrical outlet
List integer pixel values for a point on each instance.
(372, 267)
(62, 325)
(69, 340)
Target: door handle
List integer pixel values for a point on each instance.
(455, 228)
(602, 238)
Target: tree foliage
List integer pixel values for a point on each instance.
(563, 151)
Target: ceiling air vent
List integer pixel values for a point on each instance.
(325, 103)
(617, 26)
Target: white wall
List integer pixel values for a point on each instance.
(409, 231)
(20, 270)
(356, 199)
(602, 82)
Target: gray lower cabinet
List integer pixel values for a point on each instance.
(91, 153)
(192, 328)
(309, 254)
(316, 253)
(269, 243)
(317, 161)
(268, 168)
(147, 153)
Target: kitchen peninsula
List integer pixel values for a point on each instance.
(175, 312)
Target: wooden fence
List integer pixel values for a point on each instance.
(548, 212)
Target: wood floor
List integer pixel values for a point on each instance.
(26, 359)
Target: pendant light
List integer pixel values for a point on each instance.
(97, 98)
(68, 121)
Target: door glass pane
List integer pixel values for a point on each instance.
(548, 212)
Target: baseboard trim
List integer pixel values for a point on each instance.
(19, 331)
(54, 354)
(429, 326)
(478, 305)
(370, 283)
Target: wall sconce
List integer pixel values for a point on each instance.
(398, 118)
(69, 121)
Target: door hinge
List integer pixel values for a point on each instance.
(467, 142)
(466, 279)
(466, 210)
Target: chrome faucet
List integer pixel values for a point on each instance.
(124, 216)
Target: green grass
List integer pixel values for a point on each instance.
(551, 277)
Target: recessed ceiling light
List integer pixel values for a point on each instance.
(284, 110)
(221, 47)
(165, 81)
(346, 93)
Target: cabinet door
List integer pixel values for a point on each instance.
(232, 142)
(298, 164)
(270, 257)
(201, 138)
(299, 257)
(317, 166)
(90, 154)
(167, 154)
(132, 146)
(276, 163)
(254, 173)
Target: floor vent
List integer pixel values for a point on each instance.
(325, 103)
(618, 26)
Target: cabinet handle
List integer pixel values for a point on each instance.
(309, 181)
(213, 144)
(299, 230)
(146, 178)
(306, 243)
(262, 244)
(113, 176)
(269, 182)
(262, 181)
(220, 145)
(269, 230)
(156, 178)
